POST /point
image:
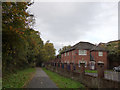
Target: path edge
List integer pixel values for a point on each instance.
(31, 77)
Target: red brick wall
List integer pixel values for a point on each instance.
(69, 57)
(74, 56)
(100, 58)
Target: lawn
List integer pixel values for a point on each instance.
(0, 83)
(91, 71)
(95, 71)
(63, 82)
(18, 79)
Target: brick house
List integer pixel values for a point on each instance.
(87, 52)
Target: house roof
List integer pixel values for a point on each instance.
(86, 46)
(98, 48)
(114, 41)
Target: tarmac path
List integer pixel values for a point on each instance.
(41, 80)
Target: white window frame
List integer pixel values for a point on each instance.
(100, 53)
(82, 52)
(85, 63)
(65, 53)
(68, 62)
(68, 53)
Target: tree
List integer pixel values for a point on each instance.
(22, 45)
(113, 49)
(50, 50)
(14, 26)
(64, 48)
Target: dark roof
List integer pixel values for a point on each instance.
(98, 48)
(114, 41)
(86, 46)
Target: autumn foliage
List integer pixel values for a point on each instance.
(22, 46)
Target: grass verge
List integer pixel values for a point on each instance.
(0, 83)
(91, 71)
(18, 79)
(63, 82)
(95, 71)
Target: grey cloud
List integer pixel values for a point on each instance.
(69, 22)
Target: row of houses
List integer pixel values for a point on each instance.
(87, 52)
(92, 54)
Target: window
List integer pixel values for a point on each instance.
(85, 63)
(68, 53)
(67, 61)
(82, 61)
(82, 52)
(100, 53)
(72, 52)
(65, 54)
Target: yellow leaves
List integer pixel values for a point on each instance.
(19, 31)
(10, 27)
(8, 3)
(14, 63)
(26, 13)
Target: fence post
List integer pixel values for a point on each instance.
(82, 68)
(100, 70)
(76, 67)
(60, 65)
(65, 66)
(71, 66)
(57, 67)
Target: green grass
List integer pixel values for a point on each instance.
(19, 79)
(91, 71)
(63, 82)
(94, 71)
(0, 83)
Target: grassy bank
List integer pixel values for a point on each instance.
(18, 79)
(63, 82)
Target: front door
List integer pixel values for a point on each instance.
(92, 65)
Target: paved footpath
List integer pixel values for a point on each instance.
(41, 80)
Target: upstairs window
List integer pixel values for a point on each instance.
(68, 53)
(72, 52)
(100, 53)
(82, 52)
(65, 54)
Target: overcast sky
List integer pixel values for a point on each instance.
(67, 23)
